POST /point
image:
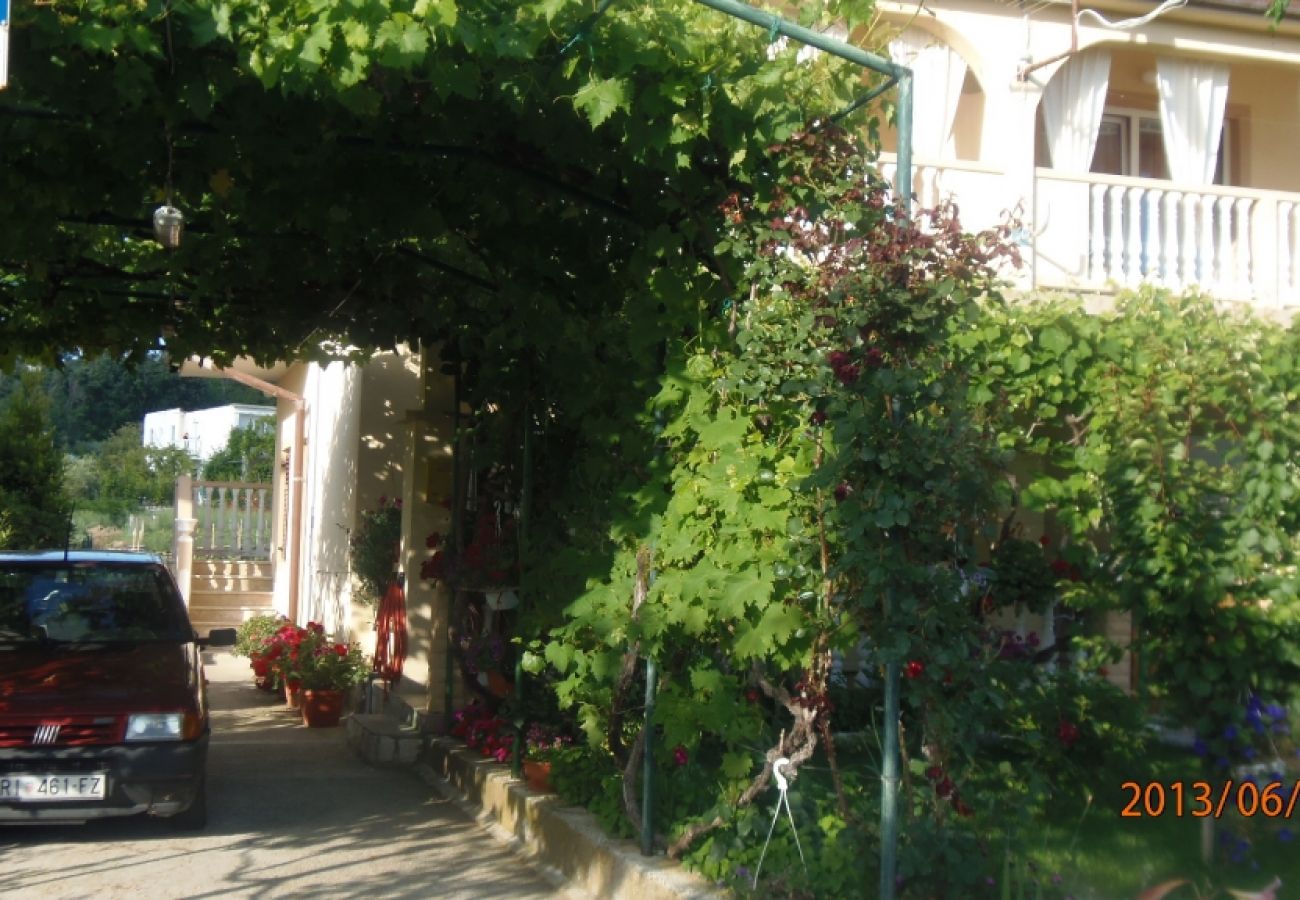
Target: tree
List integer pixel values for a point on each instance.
(92, 398)
(33, 507)
(125, 475)
(249, 455)
(557, 161)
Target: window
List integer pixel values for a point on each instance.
(1129, 142)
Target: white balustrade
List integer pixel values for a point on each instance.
(1142, 230)
(1101, 231)
(233, 520)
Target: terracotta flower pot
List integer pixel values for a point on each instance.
(498, 686)
(322, 709)
(292, 695)
(538, 775)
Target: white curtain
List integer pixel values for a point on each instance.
(1072, 105)
(1193, 95)
(938, 72)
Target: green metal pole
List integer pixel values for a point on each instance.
(525, 502)
(774, 24)
(457, 500)
(903, 76)
(648, 761)
(889, 779)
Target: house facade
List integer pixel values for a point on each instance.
(352, 437)
(201, 432)
(1135, 143)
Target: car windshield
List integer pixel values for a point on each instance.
(95, 602)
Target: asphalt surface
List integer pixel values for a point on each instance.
(292, 813)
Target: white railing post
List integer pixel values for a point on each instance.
(1187, 273)
(1287, 242)
(1169, 271)
(1205, 268)
(1264, 250)
(1115, 234)
(1097, 231)
(1245, 245)
(1225, 269)
(1133, 255)
(183, 541)
(1152, 254)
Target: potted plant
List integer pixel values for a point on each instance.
(541, 742)
(327, 671)
(489, 563)
(285, 656)
(253, 639)
(374, 548)
(483, 730)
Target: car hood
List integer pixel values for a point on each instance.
(96, 678)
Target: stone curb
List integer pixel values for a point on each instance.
(566, 842)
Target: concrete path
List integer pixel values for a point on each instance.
(292, 813)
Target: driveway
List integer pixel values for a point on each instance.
(292, 813)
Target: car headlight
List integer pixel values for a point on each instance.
(172, 726)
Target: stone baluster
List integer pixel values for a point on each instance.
(1224, 268)
(1169, 246)
(1245, 244)
(1133, 253)
(1115, 234)
(1205, 268)
(1152, 265)
(1097, 230)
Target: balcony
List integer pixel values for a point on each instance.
(1099, 233)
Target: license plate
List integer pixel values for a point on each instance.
(53, 788)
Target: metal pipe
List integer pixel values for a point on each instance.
(889, 778)
(453, 549)
(1022, 74)
(777, 25)
(525, 503)
(648, 761)
(903, 75)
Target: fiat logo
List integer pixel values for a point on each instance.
(46, 734)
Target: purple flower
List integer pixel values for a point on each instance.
(1285, 835)
(1230, 733)
(1200, 748)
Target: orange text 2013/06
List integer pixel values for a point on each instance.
(1201, 799)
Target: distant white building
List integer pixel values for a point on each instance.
(202, 432)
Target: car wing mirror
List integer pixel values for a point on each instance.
(219, 637)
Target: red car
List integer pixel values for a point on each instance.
(103, 706)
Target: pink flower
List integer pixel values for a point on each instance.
(680, 756)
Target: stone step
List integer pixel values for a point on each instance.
(231, 617)
(229, 599)
(380, 739)
(232, 584)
